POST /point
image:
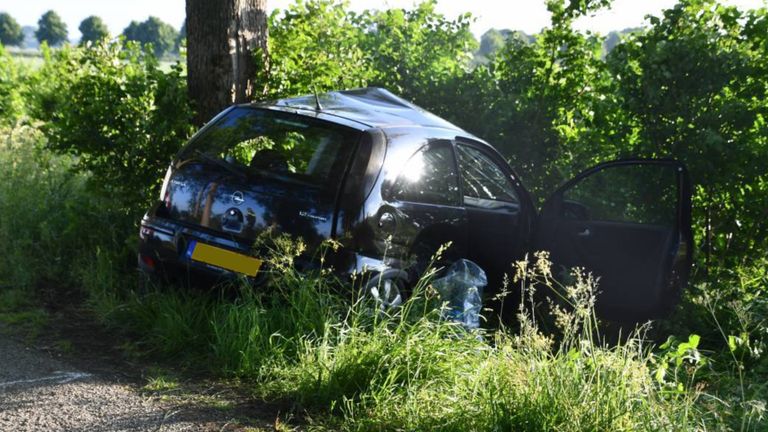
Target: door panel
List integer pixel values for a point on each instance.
(624, 256)
(628, 223)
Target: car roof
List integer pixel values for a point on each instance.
(370, 107)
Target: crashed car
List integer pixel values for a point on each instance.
(391, 183)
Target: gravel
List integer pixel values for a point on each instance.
(42, 393)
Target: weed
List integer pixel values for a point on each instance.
(160, 382)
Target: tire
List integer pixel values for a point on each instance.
(388, 289)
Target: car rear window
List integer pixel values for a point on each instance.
(259, 141)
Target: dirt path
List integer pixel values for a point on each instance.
(38, 392)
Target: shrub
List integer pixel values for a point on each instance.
(49, 218)
(112, 107)
(11, 103)
(314, 45)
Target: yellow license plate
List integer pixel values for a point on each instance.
(223, 258)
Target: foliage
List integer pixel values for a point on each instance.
(317, 45)
(694, 87)
(47, 213)
(114, 108)
(51, 29)
(314, 45)
(11, 101)
(93, 29)
(535, 101)
(161, 35)
(415, 53)
(491, 42)
(10, 30)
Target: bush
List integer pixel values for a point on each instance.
(49, 219)
(11, 102)
(314, 46)
(112, 107)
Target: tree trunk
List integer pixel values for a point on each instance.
(223, 38)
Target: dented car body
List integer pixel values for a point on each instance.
(391, 183)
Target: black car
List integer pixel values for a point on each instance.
(392, 182)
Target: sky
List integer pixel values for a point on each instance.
(529, 16)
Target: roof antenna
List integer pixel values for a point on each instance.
(318, 107)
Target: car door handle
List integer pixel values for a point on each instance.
(585, 233)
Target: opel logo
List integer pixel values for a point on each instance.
(238, 198)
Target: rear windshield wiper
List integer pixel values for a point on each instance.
(220, 162)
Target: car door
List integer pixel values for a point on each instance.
(424, 206)
(629, 223)
(497, 210)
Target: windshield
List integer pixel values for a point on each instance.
(252, 140)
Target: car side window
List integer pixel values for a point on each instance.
(643, 194)
(483, 180)
(429, 177)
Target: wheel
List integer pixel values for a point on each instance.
(388, 289)
(387, 294)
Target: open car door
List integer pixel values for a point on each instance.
(628, 222)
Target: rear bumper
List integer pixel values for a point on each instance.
(162, 254)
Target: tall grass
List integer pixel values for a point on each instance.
(414, 371)
(308, 342)
(38, 199)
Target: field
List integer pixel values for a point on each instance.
(33, 59)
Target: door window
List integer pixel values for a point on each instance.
(644, 194)
(484, 182)
(429, 177)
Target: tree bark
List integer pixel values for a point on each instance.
(223, 39)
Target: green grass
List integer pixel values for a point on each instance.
(160, 382)
(328, 352)
(18, 308)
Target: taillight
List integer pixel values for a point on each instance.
(148, 261)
